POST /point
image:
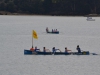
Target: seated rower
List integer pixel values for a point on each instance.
(56, 30)
(78, 48)
(52, 30)
(36, 50)
(32, 49)
(44, 49)
(47, 29)
(66, 50)
(54, 50)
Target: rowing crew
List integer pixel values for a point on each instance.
(53, 30)
(54, 50)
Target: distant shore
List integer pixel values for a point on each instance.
(9, 13)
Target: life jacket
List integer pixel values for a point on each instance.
(32, 49)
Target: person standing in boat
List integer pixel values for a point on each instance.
(66, 50)
(78, 48)
(54, 50)
(47, 30)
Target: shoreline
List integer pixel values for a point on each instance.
(27, 14)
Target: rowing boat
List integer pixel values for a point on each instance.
(52, 32)
(28, 52)
(57, 32)
(90, 19)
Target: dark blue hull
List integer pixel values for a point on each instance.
(28, 52)
(44, 53)
(54, 32)
(72, 53)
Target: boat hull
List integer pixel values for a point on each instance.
(54, 32)
(44, 53)
(72, 53)
(90, 19)
(28, 52)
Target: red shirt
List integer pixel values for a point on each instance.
(32, 49)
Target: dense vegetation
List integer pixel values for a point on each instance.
(51, 7)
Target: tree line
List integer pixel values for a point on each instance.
(51, 7)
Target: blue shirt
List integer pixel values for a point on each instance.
(54, 50)
(79, 50)
(36, 50)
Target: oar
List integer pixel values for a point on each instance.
(60, 50)
(49, 50)
(94, 54)
(81, 50)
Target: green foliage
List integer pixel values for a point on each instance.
(52, 7)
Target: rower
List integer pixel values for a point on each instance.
(56, 30)
(44, 49)
(32, 49)
(47, 29)
(52, 30)
(36, 50)
(78, 48)
(66, 50)
(54, 50)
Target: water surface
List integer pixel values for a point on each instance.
(15, 36)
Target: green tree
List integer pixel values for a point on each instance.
(47, 5)
(10, 7)
(2, 6)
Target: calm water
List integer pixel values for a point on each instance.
(15, 36)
